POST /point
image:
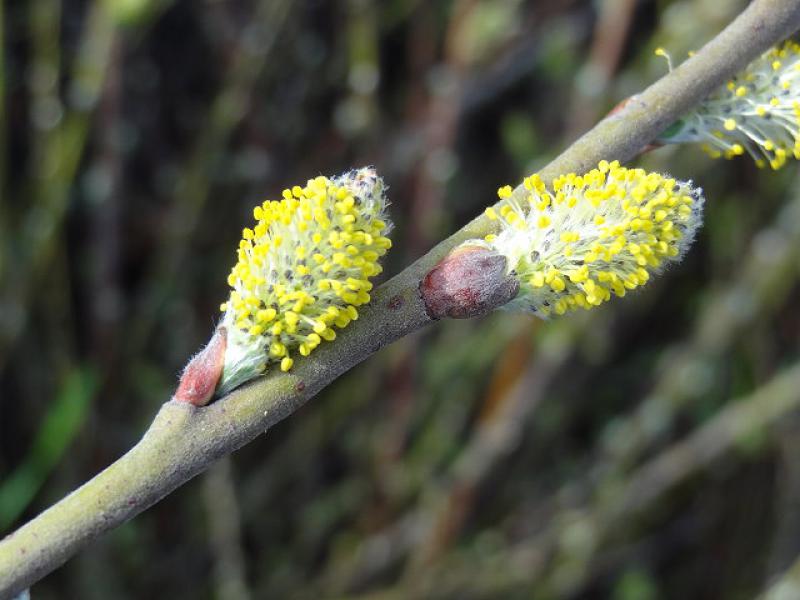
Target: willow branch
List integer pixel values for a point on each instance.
(184, 440)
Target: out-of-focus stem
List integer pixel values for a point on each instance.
(57, 154)
(224, 532)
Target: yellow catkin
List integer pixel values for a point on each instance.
(605, 233)
(757, 112)
(303, 270)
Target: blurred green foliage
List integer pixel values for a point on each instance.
(589, 457)
(62, 422)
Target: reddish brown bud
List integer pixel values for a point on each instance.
(200, 377)
(468, 282)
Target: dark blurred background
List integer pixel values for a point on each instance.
(644, 450)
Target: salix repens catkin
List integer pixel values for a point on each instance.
(302, 272)
(592, 236)
(757, 112)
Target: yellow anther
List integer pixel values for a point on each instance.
(306, 251)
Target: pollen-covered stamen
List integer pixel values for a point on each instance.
(592, 236)
(757, 112)
(303, 270)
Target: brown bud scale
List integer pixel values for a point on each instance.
(469, 282)
(199, 378)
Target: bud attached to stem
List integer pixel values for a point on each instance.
(200, 377)
(591, 237)
(470, 281)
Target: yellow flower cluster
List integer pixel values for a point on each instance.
(303, 270)
(592, 236)
(757, 112)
